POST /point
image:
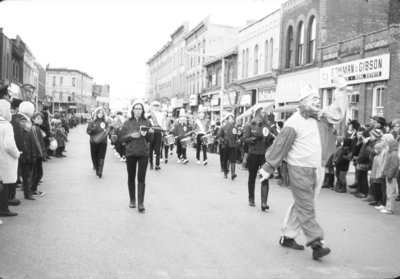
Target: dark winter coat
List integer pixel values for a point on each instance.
(135, 146)
(228, 136)
(94, 128)
(254, 137)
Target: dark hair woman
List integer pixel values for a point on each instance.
(135, 134)
(98, 129)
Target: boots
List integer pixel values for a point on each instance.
(141, 190)
(328, 180)
(233, 174)
(264, 195)
(100, 168)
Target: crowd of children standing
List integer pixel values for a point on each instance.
(373, 150)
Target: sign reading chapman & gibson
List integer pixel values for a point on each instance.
(358, 71)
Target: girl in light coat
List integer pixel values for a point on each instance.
(9, 155)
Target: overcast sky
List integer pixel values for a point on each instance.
(111, 40)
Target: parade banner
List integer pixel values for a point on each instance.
(359, 71)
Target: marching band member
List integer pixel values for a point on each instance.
(165, 144)
(228, 136)
(179, 131)
(98, 139)
(136, 141)
(258, 138)
(201, 127)
(157, 120)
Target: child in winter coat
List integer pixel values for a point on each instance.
(342, 161)
(377, 178)
(61, 137)
(390, 172)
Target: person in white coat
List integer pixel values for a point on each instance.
(305, 143)
(9, 155)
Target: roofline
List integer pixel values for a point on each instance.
(67, 70)
(159, 52)
(198, 26)
(257, 21)
(231, 51)
(182, 26)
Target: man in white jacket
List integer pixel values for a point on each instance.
(305, 143)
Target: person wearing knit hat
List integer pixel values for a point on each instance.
(22, 126)
(391, 170)
(179, 131)
(98, 129)
(135, 134)
(9, 155)
(201, 127)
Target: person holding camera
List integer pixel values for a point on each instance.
(135, 134)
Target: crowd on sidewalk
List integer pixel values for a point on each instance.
(373, 149)
(28, 138)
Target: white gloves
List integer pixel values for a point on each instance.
(263, 175)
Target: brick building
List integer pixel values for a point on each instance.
(312, 36)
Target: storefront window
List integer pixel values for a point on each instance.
(327, 97)
(377, 105)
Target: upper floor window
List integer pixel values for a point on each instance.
(271, 53)
(54, 81)
(300, 44)
(255, 59)
(312, 30)
(246, 71)
(377, 104)
(289, 47)
(266, 56)
(243, 63)
(73, 81)
(61, 80)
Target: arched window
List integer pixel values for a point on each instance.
(271, 53)
(312, 30)
(266, 57)
(243, 63)
(255, 59)
(289, 47)
(300, 44)
(247, 63)
(377, 104)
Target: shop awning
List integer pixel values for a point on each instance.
(287, 108)
(267, 106)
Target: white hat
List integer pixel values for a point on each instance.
(306, 91)
(155, 103)
(201, 109)
(228, 115)
(182, 113)
(26, 108)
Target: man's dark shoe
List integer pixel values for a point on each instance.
(319, 251)
(151, 167)
(14, 202)
(251, 202)
(326, 186)
(290, 243)
(355, 192)
(341, 190)
(158, 168)
(29, 198)
(353, 186)
(7, 214)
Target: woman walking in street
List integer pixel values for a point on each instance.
(135, 135)
(98, 130)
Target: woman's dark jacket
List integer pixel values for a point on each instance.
(135, 146)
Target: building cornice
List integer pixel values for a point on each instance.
(67, 70)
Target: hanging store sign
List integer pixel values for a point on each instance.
(176, 103)
(215, 101)
(193, 100)
(266, 95)
(359, 71)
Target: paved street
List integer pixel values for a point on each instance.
(196, 225)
